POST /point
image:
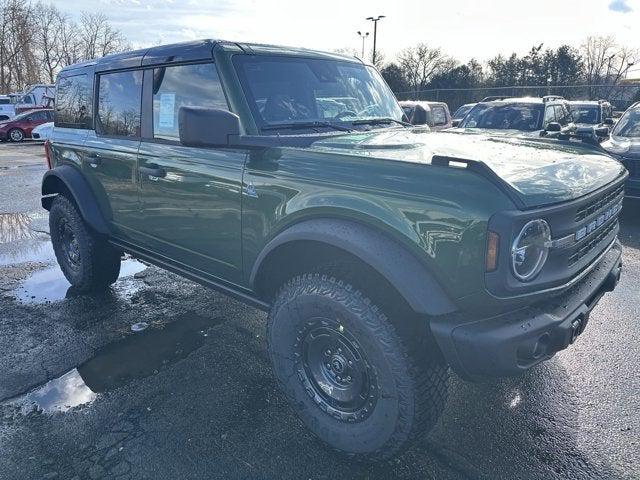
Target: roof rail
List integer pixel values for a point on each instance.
(550, 98)
(495, 97)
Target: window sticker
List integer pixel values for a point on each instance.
(167, 105)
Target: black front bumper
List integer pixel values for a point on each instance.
(511, 343)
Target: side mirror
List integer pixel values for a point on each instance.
(601, 131)
(554, 127)
(608, 121)
(455, 123)
(207, 127)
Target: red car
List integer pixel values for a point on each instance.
(20, 126)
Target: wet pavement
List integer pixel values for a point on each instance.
(82, 395)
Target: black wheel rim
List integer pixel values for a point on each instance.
(334, 370)
(69, 243)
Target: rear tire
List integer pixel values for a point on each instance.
(16, 135)
(360, 385)
(87, 260)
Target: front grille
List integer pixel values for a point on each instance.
(592, 243)
(633, 165)
(598, 203)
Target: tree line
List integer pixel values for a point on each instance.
(37, 40)
(597, 61)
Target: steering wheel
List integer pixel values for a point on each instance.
(345, 113)
(368, 109)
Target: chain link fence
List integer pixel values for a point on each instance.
(620, 96)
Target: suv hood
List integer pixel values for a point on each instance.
(539, 172)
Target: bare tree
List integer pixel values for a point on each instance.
(50, 23)
(421, 62)
(606, 62)
(98, 37)
(18, 65)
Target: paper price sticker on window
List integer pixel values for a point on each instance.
(167, 113)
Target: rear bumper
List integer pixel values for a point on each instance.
(509, 344)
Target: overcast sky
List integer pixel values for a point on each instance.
(464, 28)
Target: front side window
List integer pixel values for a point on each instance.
(183, 85)
(628, 125)
(119, 96)
(586, 113)
(525, 117)
(285, 90)
(73, 102)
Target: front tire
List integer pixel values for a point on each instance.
(16, 135)
(87, 260)
(360, 385)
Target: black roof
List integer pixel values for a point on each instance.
(191, 51)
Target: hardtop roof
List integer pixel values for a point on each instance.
(197, 50)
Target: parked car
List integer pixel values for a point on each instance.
(624, 145)
(384, 253)
(7, 110)
(461, 112)
(592, 117)
(434, 114)
(42, 132)
(526, 116)
(20, 126)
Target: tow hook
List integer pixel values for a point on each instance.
(577, 326)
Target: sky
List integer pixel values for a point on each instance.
(463, 28)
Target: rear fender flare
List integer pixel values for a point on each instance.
(69, 179)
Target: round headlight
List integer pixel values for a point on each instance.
(530, 249)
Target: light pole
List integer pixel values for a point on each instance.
(363, 36)
(375, 34)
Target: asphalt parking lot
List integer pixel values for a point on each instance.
(192, 395)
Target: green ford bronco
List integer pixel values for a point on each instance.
(384, 254)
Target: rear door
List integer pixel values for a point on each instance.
(190, 197)
(111, 150)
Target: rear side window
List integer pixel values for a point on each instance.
(119, 97)
(439, 115)
(5, 101)
(183, 85)
(73, 102)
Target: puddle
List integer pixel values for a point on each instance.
(135, 357)
(50, 285)
(40, 251)
(15, 226)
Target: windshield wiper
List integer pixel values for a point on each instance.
(301, 125)
(379, 121)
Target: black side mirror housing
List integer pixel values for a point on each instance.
(207, 127)
(554, 127)
(608, 121)
(455, 123)
(601, 131)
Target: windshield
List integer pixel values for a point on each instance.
(628, 125)
(462, 111)
(289, 90)
(585, 113)
(526, 117)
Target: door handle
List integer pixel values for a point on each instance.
(93, 159)
(153, 172)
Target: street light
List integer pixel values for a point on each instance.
(363, 36)
(375, 34)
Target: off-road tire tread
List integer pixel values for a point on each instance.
(422, 387)
(101, 261)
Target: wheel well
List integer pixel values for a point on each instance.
(307, 256)
(51, 186)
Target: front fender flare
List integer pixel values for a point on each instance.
(66, 178)
(387, 256)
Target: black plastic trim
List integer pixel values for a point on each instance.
(400, 267)
(82, 194)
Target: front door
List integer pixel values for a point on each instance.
(190, 197)
(111, 151)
